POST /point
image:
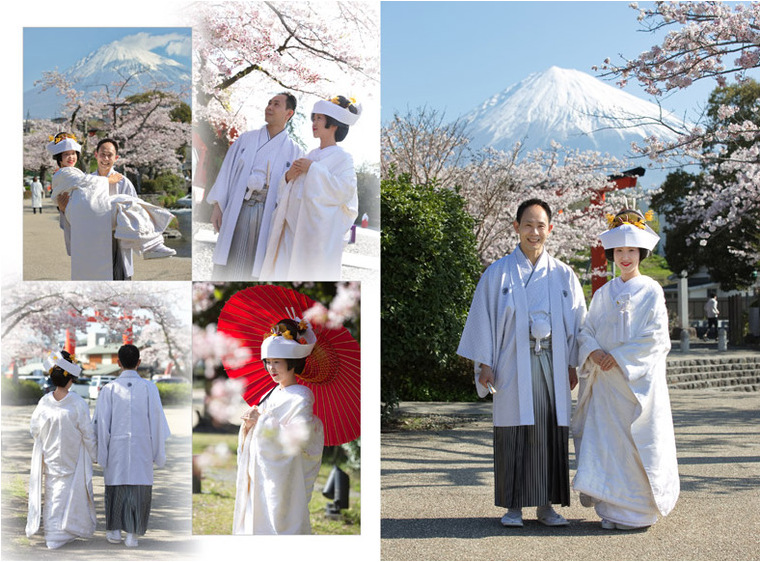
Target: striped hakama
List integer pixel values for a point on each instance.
(240, 260)
(531, 461)
(128, 508)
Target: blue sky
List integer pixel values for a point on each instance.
(74, 43)
(451, 56)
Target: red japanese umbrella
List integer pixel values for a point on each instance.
(332, 370)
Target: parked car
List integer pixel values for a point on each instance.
(97, 383)
(82, 387)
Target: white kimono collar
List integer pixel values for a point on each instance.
(525, 265)
(632, 286)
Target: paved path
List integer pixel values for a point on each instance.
(169, 529)
(437, 493)
(45, 255)
(360, 262)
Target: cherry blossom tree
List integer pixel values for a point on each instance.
(494, 182)
(36, 316)
(246, 48)
(146, 126)
(36, 138)
(424, 145)
(568, 180)
(715, 41)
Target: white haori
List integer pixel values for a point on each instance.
(131, 428)
(497, 333)
(278, 462)
(636, 471)
(64, 449)
(244, 169)
(95, 215)
(313, 214)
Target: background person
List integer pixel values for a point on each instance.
(37, 194)
(711, 309)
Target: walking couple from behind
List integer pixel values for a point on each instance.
(126, 437)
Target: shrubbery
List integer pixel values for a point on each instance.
(172, 393)
(20, 392)
(430, 272)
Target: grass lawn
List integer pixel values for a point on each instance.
(213, 507)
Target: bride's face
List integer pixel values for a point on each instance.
(320, 128)
(68, 158)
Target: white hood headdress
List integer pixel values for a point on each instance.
(56, 359)
(628, 230)
(63, 142)
(341, 114)
(284, 345)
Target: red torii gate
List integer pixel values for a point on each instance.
(622, 181)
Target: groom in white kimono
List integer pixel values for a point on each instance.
(131, 429)
(521, 334)
(245, 192)
(106, 154)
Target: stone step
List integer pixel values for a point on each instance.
(750, 361)
(725, 373)
(724, 369)
(749, 385)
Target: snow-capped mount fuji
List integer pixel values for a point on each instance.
(570, 107)
(112, 63)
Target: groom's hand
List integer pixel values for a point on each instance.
(216, 217)
(62, 200)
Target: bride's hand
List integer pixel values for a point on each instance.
(299, 167)
(605, 360)
(116, 177)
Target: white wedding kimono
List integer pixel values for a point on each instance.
(313, 214)
(64, 449)
(131, 428)
(278, 462)
(622, 427)
(93, 215)
(123, 187)
(248, 160)
(497, 333)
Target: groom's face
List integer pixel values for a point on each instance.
(106, 156)
(277, 113)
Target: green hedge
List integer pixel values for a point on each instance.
(172, 393)
(430, 271)
(20, 392)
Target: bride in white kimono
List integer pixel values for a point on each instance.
(64, 449)
(94, 215)
(622, 427)
(316, 202)
(280, 442)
